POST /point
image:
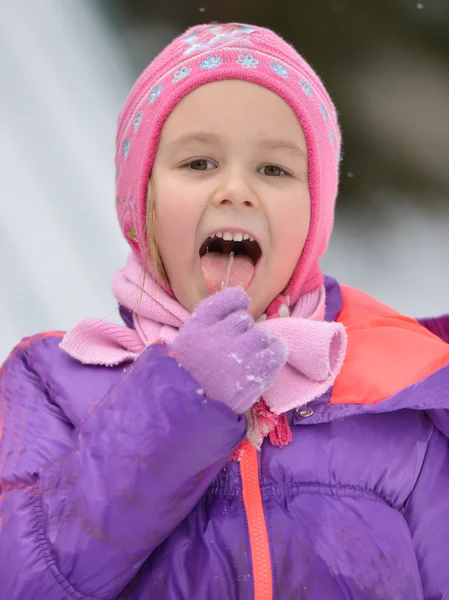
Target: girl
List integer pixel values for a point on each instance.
(254, 431)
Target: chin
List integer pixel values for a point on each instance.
(257, 307)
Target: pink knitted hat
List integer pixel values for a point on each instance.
(209, 53)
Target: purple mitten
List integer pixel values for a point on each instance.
(233, 360)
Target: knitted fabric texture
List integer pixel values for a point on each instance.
(210, 53)
(316, 348)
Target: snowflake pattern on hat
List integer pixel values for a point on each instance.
(154, 94)
(279, 69)
(248, 61)
(178, 75)
(323, 112)
(306, 87)
(138, 120)
(211, 62)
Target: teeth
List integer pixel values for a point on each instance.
(229, 237)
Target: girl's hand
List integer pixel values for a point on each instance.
(233, 360)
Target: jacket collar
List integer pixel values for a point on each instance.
(392, 363)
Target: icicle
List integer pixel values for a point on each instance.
(225, 283)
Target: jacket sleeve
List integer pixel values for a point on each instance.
(80, 512)
(427, 514)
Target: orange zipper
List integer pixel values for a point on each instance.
(258, 535)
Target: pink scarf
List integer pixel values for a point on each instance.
(316, 348)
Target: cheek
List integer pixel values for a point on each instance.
(176, 221)
(292, 227)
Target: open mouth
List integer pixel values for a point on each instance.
(248, 247)
(229, 260)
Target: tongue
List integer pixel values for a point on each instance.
(225, 270)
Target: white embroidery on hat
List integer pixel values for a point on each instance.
(323, 112)
(155, 92)
(138, 120)
(248, 61)
(211, 62)
(280, 69)
(178, 75)
(218, 34)
(306, 87)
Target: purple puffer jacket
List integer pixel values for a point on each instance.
(116, 484)
(438, 325)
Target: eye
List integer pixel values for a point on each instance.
(272, 171)
(201, 164)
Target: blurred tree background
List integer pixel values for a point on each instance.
(385, 63)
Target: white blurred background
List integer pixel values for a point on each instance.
(66, 67)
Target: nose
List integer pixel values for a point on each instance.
(236, 189)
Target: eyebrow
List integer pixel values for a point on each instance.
(280, 144)
(266, 143)
(196, 136)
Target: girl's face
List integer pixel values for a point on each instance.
(232, 161)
